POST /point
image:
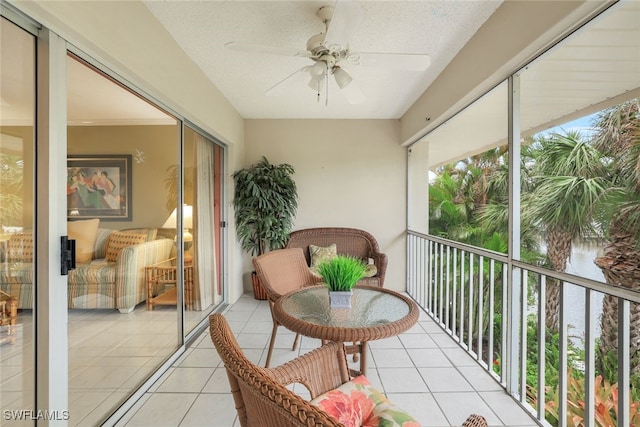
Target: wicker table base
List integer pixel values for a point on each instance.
(8, 309)
(163, 274)
(8, 318)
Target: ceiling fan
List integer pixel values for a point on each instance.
(330, 53)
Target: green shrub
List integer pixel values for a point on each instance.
(605, 397)
(605, 387)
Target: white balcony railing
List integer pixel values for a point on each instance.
(492, 305)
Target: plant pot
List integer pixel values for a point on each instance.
(340, 299)
(258, 289)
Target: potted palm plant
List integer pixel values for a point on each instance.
(265, 203)
(341, 274)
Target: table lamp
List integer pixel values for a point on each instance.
(187, 223)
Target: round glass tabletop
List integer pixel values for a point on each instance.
(369, 308)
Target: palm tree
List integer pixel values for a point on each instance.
(493, 216)
(483, 167)
(568, 180)
(462, 191)
(450, 211)
(618, 137)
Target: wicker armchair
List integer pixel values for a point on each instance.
(281, 271)
(260, 394)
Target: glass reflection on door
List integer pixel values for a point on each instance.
(17, 130)
(202, 193)
(120, 150)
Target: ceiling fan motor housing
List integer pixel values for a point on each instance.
(314, 45)
(317, 46)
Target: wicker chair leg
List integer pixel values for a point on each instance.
(296, 341)
(272, 341)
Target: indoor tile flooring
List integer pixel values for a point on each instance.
(423, 370)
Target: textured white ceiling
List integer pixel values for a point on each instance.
(438, 28)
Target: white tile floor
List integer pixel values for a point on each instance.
(422, 370)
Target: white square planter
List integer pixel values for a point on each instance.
(340, 299)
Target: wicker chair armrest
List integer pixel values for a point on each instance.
(313, 280)
(320, 370)
(475, 420)
(380, 260)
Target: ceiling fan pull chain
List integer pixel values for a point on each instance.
(326, 87)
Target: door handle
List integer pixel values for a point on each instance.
(67, 255)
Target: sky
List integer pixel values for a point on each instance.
(583, 125)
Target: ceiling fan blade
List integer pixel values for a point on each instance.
(393, 61)
(347, 16)
(273, 50)
(298, 78)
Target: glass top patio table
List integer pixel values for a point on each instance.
(375, 313)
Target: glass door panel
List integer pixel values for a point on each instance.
(202, 192)
(119, 146)
(17, 130)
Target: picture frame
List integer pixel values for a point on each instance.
(99, 186)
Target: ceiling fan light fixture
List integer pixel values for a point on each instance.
(317, 70)
(342, 77)
(316, 84)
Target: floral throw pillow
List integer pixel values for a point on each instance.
(370, 270)
(356, 403)
(320, 254)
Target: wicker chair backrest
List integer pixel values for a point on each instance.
(348, 241)
(282, 271)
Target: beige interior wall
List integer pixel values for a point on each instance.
(349, 173)
(159, 145)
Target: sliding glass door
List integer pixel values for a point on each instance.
(120, 149)
(144, 196)
(143, 205)
(203, 192)
(17, 131)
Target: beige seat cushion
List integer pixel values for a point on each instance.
(84, 232)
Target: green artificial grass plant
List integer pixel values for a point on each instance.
(341, 273)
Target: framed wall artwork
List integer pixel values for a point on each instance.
(99, 186)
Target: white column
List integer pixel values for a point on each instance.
(515, 283)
